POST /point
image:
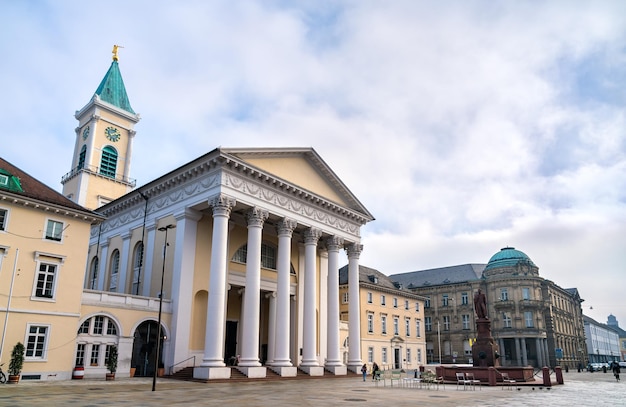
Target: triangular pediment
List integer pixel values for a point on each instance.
(302, 167)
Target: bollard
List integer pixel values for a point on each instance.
(546, 376)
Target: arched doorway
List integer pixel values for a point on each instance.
(144, 348)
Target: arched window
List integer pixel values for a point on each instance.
(137, 264)
(114, 270)
(96, 336)
(268, 256)
(93, 274)
(108, 165)
(81, 157)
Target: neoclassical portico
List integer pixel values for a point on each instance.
(230, 207)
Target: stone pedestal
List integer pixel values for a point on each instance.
(485, 349)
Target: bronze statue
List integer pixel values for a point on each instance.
(480, 304)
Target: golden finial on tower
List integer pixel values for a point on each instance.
(115, 47)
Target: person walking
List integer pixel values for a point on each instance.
(375, 371)
(616, 370)
(364, 371)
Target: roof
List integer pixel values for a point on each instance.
(33, 189)
(508, 257)
(439, 276)
(374, 277)
(112, 89)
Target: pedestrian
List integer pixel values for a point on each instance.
(616, 370)
(375, 372)
(364, 371)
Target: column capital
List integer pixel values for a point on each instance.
(256, 216)
(312, 235)
(354, 250)
(334, 243)
(222, 204)
(285, 227)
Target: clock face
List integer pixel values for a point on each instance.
(112, 133)
(86, 133)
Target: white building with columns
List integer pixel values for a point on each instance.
(244, 248)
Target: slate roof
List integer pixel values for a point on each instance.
(439, 276)
(36, 190)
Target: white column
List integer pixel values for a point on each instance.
(182, 284)
(216, 307)
(354, 308)
(309, 339)
(333, 342)
(524, 353)
(124, 266)
(271, 331)
(145, 279)
(519, 352)
(283, 304)
(252, 295)
(539, 351)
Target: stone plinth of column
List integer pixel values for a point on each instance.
(285, 371)
(313, 370)
(339, 370)
(253, 371)
(355, 368)
(485, 350)
(209, 373)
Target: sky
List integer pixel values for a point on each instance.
(462, 126)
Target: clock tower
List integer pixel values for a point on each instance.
(104, 137)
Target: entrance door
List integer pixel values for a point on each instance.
(144, 348)
(396, 358)
(230, 347)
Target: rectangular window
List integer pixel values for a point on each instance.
(383, 323)
(36, 342)
(506, 320)
(370, 355)
(418, 328)
(369, 298)
(385, 356)
(466, 321)
(396, 328)
(382, 300)
(504, 294)
(526, 293)
(408, 355)
(406, 305)
(419, 356)
(84, 327)
(344, 297)
(370, 323)
(95, 355)
(417, 307)
(464, 299)
(107, 352)
(80, 355)
(428, 323)
(4, 180)
(3, 219)
(528, 317)
(54, 230)
(427, 303)
(45, 280)
(446, 322)
(407, 326)
(98, 325)
(111, 329)
(444, 300)
(395, 302)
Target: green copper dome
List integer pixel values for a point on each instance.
(508, 257)
(112, 90)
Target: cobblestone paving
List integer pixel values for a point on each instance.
(580, 389)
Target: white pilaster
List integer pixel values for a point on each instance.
(333, 360)
(309, 340)
(182, 284)
(354, 308)
(104, 265)
(124, 266)
(145, 280)
(271, 329)
(250, 329)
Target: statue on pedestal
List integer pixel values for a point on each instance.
(480, 304)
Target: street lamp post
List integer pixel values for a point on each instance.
(158, 345)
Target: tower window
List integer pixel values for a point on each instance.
(81, 157)
(108, 166)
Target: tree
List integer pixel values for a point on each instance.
(17, 360)
(112, 360)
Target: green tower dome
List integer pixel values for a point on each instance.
(508, 257)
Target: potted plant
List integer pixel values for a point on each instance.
(112, 363)
(16, 364)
